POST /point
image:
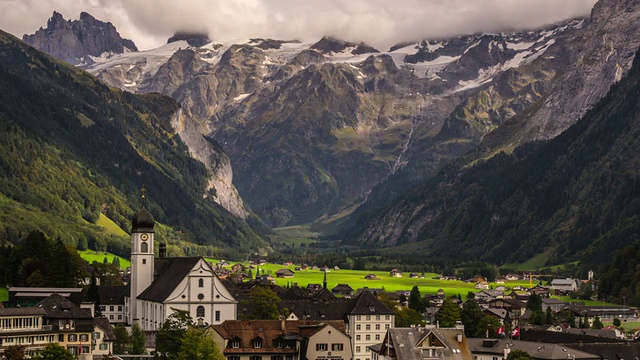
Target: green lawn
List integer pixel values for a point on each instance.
(91, 256)
(4, 294)
(586, 302)
(355, 279)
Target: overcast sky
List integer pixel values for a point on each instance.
(378, 22)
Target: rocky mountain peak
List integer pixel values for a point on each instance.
(330, 44)
(76, 41)
(196, 39)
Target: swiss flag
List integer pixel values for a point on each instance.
(500, 330)
(515, 332)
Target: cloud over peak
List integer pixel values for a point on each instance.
(378, 22)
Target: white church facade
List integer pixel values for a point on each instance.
(159, 285)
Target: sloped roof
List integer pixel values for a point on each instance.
(103, 323)
(294, 293)
(535, 349)
(57, 307)
(323, 295)
(21, 311)
(367, 304)
(406, 343)
(317, 310)
(112, 295)
(268, 331)
(169, 272)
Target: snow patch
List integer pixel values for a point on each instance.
(241, 97)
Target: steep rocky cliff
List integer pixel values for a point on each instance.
(77, 41)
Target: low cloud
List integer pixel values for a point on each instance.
(378, 22)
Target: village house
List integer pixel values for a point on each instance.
(281, 339)
(285, 273)
(112, 303)
(343, 290)
(563, 286)
(422, 343)
(395, 273)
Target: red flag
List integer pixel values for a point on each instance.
(515, 332)
(500, 330)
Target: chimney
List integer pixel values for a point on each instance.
(459, 337)
(163, 250)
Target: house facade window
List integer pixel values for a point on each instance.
(368, 317)
(377, 326)
(73, 337)
(257, 343)
(368, 327)
(200, 282)
(377, 317)
(386, 326)
(200, 311)
(144, 247)
(84, 337)
(337, 347)
(368, 337)
(387, 317)
(357, 337)
(277, 357)
(217, 315)
(357, 349)
(235, 343)
(358, 327)
(233, 357)
(377, 336)
(255, 357)
(322, 347)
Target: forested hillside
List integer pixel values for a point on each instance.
(73, 148)
(575, 197)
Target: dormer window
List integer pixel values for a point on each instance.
(278, 343)
(257, 343)
(235, 343)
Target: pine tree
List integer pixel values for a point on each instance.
(448, 314)
(137, 341)
(471, 315)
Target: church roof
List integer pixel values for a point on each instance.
(142, 221)
(169, 272)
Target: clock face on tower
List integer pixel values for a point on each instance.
(144, 237)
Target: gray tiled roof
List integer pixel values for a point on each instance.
(169, 272)
(535, 349)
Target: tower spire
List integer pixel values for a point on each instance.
(143, 197)
(324, 282)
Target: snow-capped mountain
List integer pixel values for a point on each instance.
(303, 121)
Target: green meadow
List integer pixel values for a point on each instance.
(355, 279)
(91, 256)
(4, 294)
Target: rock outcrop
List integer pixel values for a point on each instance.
(77, 41)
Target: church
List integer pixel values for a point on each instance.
(159, 285)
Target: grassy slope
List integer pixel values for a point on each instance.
(110, 226)
(91, 256)
(4, 295)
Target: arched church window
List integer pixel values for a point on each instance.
(144, 247)
(200, 282)
(200, 311)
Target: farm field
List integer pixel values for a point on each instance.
(355, 279)
(91, 256)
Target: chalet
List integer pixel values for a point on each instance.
(285, 273)
(371, 277)
(395, 273)
(238, 268)
(512, 277)
(422, 343)
(343, 290)
(414, 275)
(481, 285)
(501, 314)
(336, 268)
(103, 337)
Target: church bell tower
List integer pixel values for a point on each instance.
(142, 255)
